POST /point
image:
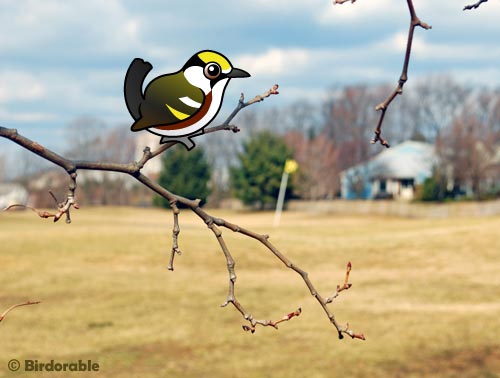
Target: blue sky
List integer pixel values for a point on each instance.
(63, 59)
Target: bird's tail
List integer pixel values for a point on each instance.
(132, 88)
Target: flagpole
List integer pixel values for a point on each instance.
(290, 167)
(281, 199)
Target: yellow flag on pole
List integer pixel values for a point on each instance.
(291, 166)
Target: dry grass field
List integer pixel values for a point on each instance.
(426, 293)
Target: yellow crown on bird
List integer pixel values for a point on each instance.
(178, 105)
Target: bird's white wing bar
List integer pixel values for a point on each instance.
(190, 102)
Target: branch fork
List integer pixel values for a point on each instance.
(62, 208)
(345, 286)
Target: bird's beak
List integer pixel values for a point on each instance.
(236, 72)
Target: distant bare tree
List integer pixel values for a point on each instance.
(438, 100)
(303, 116)
(318, 176)
(118, 144)
(468, 150)
(94, 140)
(221, 150)
(348, 119)
(85, 136)
(26, 166)
(487, 110)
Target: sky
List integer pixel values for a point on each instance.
(63, 59)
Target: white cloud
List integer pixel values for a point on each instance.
(285, 5)
(275, 61)
(94, 92)
(371, 12)
(19, 86)
(16, 116)
(397, 42)
(303, 72)
(425, 49)
(80, 25)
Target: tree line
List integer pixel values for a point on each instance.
(331, 135)
(324, 137)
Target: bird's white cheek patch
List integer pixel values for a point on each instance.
(190, 102)
(195, 77)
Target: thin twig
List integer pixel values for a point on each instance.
(242, 104)
(274, 324)
(346, 285)
(342, 1)
(29, 303)
(40, 213)
(175, 235)
(64, 209)
(475, 5)
(233, 128)
(414, 22)
(54, 197)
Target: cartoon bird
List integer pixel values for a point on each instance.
(177, 106)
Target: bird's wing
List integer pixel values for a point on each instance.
(169, 99)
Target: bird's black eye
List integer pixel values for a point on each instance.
(212, 71)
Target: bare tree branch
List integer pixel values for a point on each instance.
(342, 1)
(214, 224)
(345, 286)
(29, 303)
(414, 22)
(63, 208)
(274, 324)
(475, 5)
(242, 104)
(175, 235)
(264, 240)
